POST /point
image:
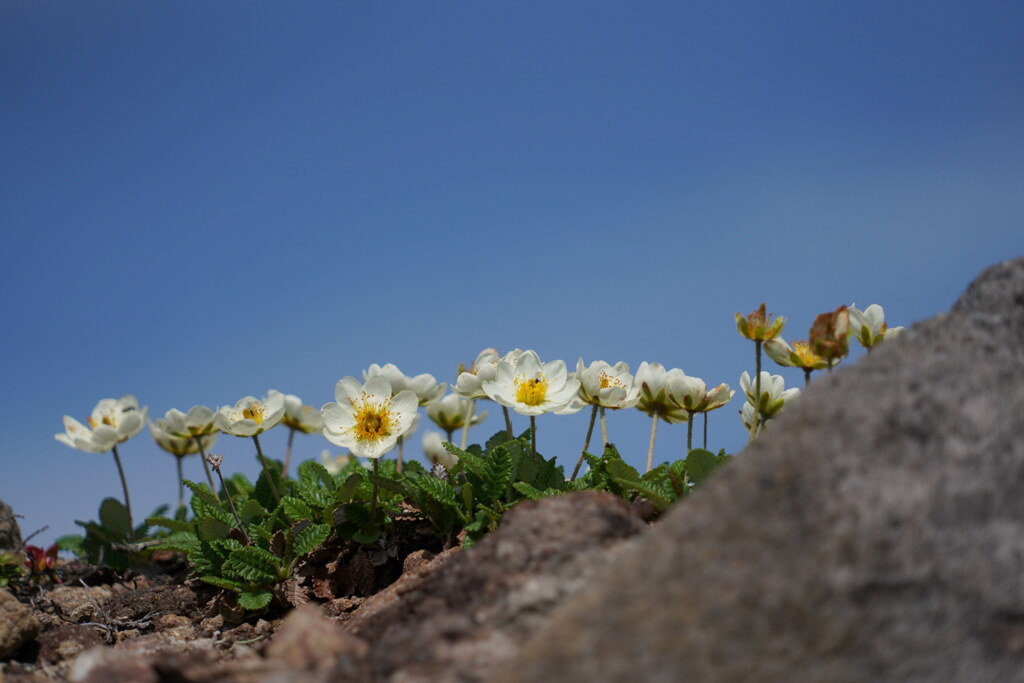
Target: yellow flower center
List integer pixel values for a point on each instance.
(254, 412)
(531, 391)
(609, 381)
(106, 420)
(807, 356)
(373, 421)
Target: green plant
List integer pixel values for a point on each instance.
(112, 540)
(10, 568)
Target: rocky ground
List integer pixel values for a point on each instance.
(451, 615)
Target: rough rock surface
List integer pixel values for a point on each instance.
(17, 624)
(876, 532)
(459, 622)
(10, 533)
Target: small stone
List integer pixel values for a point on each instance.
(78, 603)
(309, 640)
(17, 624)
(10, 533)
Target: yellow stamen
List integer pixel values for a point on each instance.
(609, 381)
(531, 391)
(373, 421)
(254, 412)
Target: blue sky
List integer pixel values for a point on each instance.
(206, 200)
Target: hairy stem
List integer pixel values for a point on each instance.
(288, 451)
(124, 487)
(266, 469)
(206, 466)
(650, 448)
(586, 443)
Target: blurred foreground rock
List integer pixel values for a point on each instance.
(875, 532)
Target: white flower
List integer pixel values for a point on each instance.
(693, 395)
(774, 394)
(367, 419)
(469, 384)
(299, 417)
(450, 413)
(799, 355)
(748, 416)
(532, 388)
(436, 453)
(197, 422)
(652, 380)
(426, 388)
(869, 326)
(113, 420)
(251, 416)
(608, 386)
(179, 446)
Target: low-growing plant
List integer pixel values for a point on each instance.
(111, 541)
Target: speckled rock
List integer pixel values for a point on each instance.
(875, 533)
(17, 624)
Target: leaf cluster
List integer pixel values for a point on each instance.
(111, 541)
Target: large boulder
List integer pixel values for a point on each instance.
(874, 532)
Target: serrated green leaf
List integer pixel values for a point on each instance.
(181, 541)
(72, 543)
(527, 490)
(211, 528)
(254, 599)
(114, 518)
(314, 495)
(254, 565)
(203, 493)
(497, 474)
(221, 582)
(295, 509)
(311, 471)
(347, 491)
(310, 538)
(438, 489)
(618, 469)
(659, 498)
(368, 538)
(251, 512)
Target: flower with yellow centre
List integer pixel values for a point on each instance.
(451, 413)
(426, 388)
(799, 355)
(112, 421)
(251, 416)
(654, 399)
(759, 325)
(607, 386)
(869, 326)
(469, 383)
(300, 417)
(530, 387)
(198, 421)
(367, 419)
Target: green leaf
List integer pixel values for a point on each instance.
(183, 542)
(221, 582)
(699, 464)
(310, 538)
(618, 469)
(438, 489)
(211, 528)
(251, 512)
(203, 493)
(347, 491)
(310, 471)
(114, 518)
(658, 498)
(527, 490)
(253, 564)
(74, 543)
(295, 509)
(173, 525)
(313, 494)
(497, 474)
(254, 599)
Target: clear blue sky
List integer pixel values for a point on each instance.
(202, 200)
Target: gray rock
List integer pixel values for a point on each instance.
(10, 533)
(875, 533)
(17, 624)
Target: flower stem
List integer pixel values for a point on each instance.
(401, 451)
(373, 498)
(533, 435)
(124, 487)
(705, 431)
(586, 443)
(181, 485)
(288, 451)
(807, 376)
(604, 431)
(238, 520)
(266, 469)
(757, 383)
(508, 423)
(206, 466)
(650, 448)
(465, 427)
(689, 432)
(449, 437)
